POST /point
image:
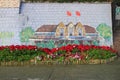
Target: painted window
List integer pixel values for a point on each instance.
(92, 34)
(71, 30)
(79, 32)
(61, 32)
(45, 33)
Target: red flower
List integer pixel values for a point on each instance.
(30, 47)
(69, 48)
(47, 51)
(12, 48)
(54, 50)
(61, 48)
(81, 48)
(2, 47)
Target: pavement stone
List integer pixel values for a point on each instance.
(108, 71)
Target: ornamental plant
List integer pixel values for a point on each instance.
(18, 53)
(65, 53)
(100, 52)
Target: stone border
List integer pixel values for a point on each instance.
(103, 61)
(30, 63)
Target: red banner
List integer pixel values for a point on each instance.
(78, 13)
(69, 13)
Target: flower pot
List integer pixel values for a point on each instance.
(3, 63)
(104, 61)
(26, 63)
(21, 63)
(15, 63)
(95, 61)
(84, 62)
(108, 60)
(113, 58)
(8, 63)
(33, 61)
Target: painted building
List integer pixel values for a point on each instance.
(22, 22)
(65, 32)
(9, 3)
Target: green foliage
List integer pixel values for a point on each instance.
(60, 59)
(75, 50)
(50, 44)
(24, 53)
(62, 44)
(86, 43)
(6, 34)
(99, 54)
(19, 55)
(41, 44)
(5, 55)
(76, 42)
(61, 52)
(25, 34)
(95, 42)
(104, 31)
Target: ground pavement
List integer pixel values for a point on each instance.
(109, 71)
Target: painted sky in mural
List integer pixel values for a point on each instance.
(37, 14)
(32, 16)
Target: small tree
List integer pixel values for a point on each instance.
(76, 42)
(105, 31)
(6, 36)
(25, 34)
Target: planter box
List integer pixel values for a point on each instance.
(96, 61)
(2, 63)
(35, 62)
(104, 61)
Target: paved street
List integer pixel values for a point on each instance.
(109, 71)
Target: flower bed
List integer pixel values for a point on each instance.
(70, 54)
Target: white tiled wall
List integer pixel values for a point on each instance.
(42, 13)
(9, 22)
(37, 14)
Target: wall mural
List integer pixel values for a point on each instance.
(105, 33)
(5, 37)
(25, 35)
(74, 33)
(54, 25)
(49, 35)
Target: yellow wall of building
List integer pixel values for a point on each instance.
(9, 3)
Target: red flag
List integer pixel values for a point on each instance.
(69, 13)
(78, 13)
